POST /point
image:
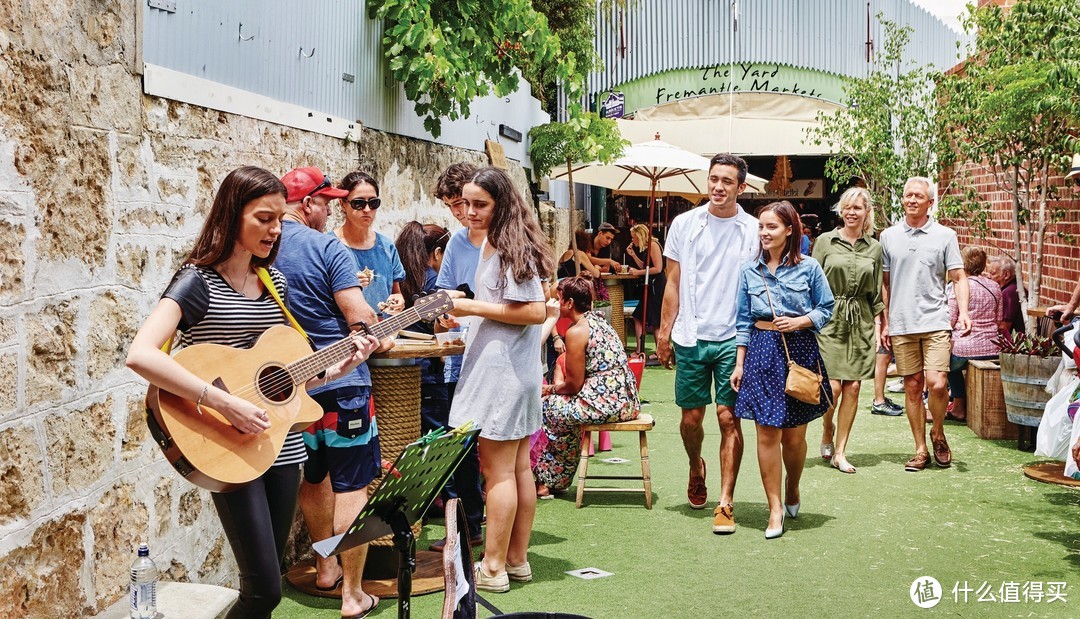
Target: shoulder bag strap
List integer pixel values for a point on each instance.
(772, 309)
(268, 281)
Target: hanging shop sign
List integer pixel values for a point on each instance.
(612, 105)
(680, 84)
(801, 189)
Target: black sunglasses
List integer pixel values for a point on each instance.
(325, 183)
(359, 204)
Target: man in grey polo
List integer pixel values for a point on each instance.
(918, 256)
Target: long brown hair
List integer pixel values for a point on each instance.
(522, 246)
(217, 239)
(415, 245)
(790, 218)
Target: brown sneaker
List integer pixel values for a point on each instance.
(696, 491)
(942, 453)
(723, 519)
(918, 463)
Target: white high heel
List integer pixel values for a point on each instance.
(792, 510)
(776, 533)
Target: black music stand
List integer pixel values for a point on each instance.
(405, 493)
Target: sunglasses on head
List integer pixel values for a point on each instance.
(323, 185)
(359, 204)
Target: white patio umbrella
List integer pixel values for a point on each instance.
(647, 167)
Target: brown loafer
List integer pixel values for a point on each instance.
(942, 453)
(696, 491)
(917, 463)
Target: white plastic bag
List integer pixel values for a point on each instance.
(1056, 430)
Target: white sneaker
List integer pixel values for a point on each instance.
(895, 386)
(519, 573)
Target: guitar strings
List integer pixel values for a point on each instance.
(279, 379)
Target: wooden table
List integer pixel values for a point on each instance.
(614, 284)
(395, 387)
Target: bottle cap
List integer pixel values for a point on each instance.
(144, 550)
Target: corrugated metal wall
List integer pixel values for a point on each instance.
(256, 45)
(825, 35)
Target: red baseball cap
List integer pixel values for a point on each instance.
(304, 182)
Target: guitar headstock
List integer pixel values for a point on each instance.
(433, 305)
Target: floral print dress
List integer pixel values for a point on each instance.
(609, 394)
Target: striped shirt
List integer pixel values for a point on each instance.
(214, 313)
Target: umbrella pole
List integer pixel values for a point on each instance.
(573, 230)
(648, 265)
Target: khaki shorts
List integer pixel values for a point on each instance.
(916, 352)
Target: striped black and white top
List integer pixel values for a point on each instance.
(214, 313)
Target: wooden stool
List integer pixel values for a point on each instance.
(641, 425)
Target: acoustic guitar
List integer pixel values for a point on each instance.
(205, 448)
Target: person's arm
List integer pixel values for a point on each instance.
(737, 373)
(354, 307)
(883, 330)
(577, 339)
(552, 308)
(656, 261)
(1068, 311)
(630, 251)
(146, 359)
(668, 311)
(587, 263)
(821, 300)
(963, 294)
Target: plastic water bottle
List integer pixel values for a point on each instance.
(143, 589)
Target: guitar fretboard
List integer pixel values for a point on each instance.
(305, 369)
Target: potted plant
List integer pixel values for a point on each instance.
(1027, 363)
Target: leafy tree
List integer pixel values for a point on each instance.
(586, 138)
(449, 52)
(887, 132)
(1015, 108)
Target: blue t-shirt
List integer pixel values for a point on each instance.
(804, 245)
(458, 267)
(385, 263)
(316, 266)
(431, 369)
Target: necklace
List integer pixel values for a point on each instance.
(229, 281)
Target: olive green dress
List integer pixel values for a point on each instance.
(847, 343)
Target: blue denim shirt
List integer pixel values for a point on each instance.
(799, 290)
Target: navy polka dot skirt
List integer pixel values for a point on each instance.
(761, 395)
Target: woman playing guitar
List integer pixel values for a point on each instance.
(217, 297)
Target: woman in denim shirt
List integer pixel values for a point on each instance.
(801, 304)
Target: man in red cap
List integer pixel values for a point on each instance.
(342, 447)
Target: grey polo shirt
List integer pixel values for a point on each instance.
(918, 261)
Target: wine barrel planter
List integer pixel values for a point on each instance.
(1024, 378)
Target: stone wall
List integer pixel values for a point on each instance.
(102, 190)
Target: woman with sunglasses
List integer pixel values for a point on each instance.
(499, 388)
(217, 297)
(378, 265)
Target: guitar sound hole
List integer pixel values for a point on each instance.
(275, 384)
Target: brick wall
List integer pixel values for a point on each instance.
(1061, 254)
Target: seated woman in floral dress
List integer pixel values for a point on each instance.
(595, 385)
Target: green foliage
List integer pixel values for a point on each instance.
(1015, 107)
(583, 139)
(447, 53)
(887, 132)
(1027, 344)
(572, 21)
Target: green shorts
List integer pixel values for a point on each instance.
(698, 367)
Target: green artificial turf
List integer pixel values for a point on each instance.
(857, 546)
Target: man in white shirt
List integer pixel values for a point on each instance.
(705, 248)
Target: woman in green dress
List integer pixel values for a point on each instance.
(851, 259)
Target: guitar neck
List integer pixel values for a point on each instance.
(307, 368)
